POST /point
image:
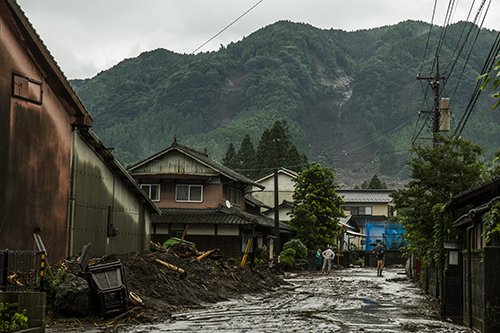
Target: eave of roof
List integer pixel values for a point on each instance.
(218, 215)
(282, 170)
(466, 196)
(474, 214)
(27, 36)
(362, 196)
(254, 202)
(201, 158)
(350, 222)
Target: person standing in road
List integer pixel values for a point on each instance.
(318, 260)
(328, 256)
(379, 252)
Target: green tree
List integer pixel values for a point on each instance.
(229, 159)
(246, 157)
(365, 185)
(376, 183)
(495, 85)
(438, 172)
(317, 207)
(276, 150)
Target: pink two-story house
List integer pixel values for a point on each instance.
(195, 191)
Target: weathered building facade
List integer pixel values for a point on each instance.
(471, 278)
(371, 210)
(57, 178)
(204, 198)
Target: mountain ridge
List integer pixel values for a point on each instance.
(350, 99)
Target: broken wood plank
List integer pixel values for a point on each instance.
(157, 247)
(170, 266)
(184, 233)
(205, 254)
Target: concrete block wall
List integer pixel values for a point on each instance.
(34, 303)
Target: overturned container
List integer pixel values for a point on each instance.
(110, 287)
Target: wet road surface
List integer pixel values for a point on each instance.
(351, 300)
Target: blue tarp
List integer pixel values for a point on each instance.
(392, 234)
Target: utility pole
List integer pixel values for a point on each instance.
(276, 204)
(434, 83)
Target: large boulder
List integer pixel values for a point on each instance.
(73, 297)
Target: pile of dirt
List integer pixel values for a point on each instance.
(195, 283)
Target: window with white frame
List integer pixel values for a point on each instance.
(189, 193)
(367, 210)
(234, 196)
(152, 190)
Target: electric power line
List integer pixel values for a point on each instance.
(177, 63)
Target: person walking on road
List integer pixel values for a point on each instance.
(328, 256)
(379, 252)
(318, 260)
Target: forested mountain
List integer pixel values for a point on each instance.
(350, 99)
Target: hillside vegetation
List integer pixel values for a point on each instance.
(350, 99)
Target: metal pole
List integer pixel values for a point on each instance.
(276, 203)
(435, 127)
(434, 82)
(42, 271)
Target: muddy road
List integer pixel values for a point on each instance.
(351, 300)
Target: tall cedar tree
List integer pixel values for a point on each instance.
(317, 207)
(376, 184)
(230, 159)
(438, 172)
(276, 150)
(274, 147)
(246, 157)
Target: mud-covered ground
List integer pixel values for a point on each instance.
(350, 300)
(212, 297)
(164, 291)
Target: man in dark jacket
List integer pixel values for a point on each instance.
(379, 252)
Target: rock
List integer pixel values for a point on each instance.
(73, 297)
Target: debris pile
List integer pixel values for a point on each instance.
(180, 277)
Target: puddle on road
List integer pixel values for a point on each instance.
(352, 300)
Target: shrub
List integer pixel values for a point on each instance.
(232, 262)
(303, 262)
(10, 319)
(360, 262)
(261, 256)
(51, 283)
(299, 248)
(287, 257)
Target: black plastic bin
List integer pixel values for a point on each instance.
(110, 286)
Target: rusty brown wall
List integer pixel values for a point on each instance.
(35, 143)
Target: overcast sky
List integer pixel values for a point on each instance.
(88, 36)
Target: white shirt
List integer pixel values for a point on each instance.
(328, 254)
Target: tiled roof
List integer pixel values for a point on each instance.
(476, 195)
(254, 202)
(351, 196)
(349, 223)
(202, 158)
(219, 215)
